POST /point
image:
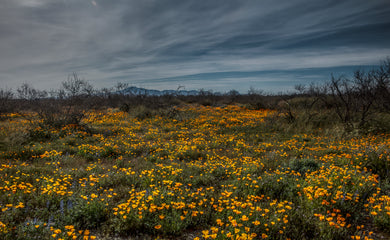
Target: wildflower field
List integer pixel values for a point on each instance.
(193, 172)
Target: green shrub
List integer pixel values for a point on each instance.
(87, 215)
(378, 163)
(304, 165)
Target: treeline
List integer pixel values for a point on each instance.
(359, 103)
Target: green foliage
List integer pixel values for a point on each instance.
(378, 162)
(304, 165)
(281, 188)
(37, 133)
(87, 214)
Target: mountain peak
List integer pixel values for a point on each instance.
(151, 92)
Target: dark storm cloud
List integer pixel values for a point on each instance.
(200, 44)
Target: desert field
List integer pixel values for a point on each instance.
(193, 172)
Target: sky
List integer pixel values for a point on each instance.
(216, 45)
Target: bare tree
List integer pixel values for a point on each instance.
(6, 96)
(74, 86)
(357, 100)
(27, 92)
(301, 88)
(341, 91)
(57, 108)
(382, 81)
(119, 87)
(365, 86)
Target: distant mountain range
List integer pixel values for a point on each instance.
(151, 92)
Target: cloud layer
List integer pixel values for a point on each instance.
(220, 45)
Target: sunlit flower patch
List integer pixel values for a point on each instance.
(198, 173)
